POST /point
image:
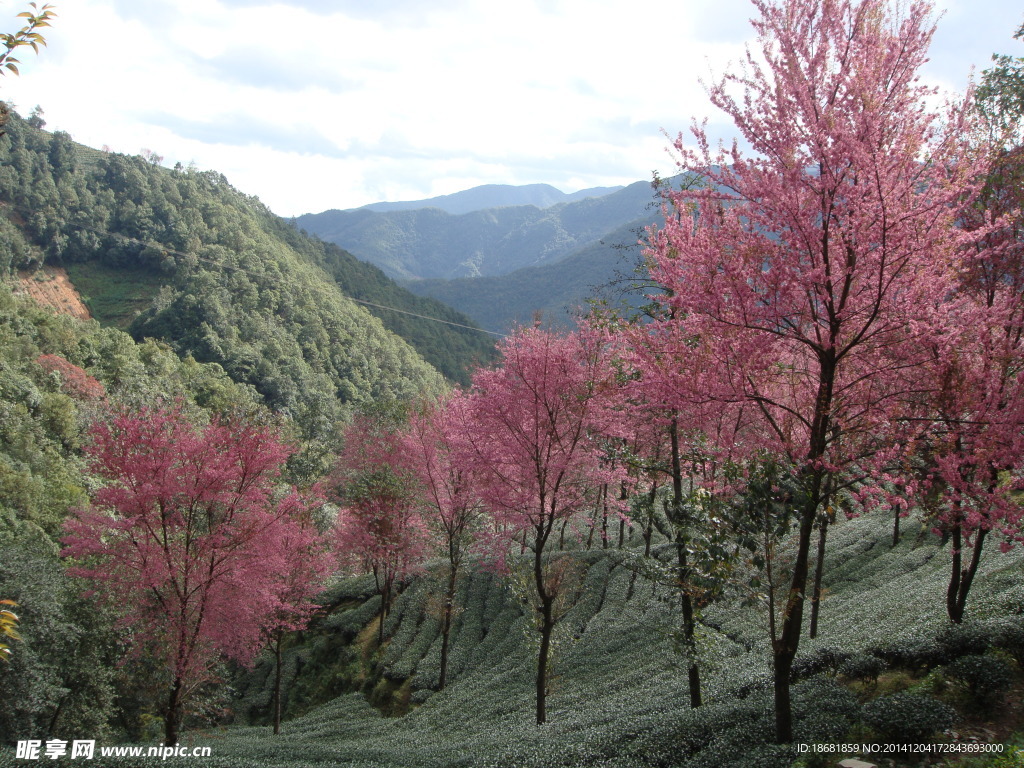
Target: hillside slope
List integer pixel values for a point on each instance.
(619, 696)
(231, 282)
(604, 270)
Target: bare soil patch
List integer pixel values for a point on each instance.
(51, 287)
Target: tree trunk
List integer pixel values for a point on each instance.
(895, 530)
(604, 517)
(693, 671)
(547, 624)
(385, 604)
(819, 567)
(277, 683)
(785, 646)
(689, 627)
(446, 625)
(649, 523)
(960, 578)
(56, 716)
(172, 719)
(783, 667)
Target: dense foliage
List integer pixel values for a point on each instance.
(56, 376)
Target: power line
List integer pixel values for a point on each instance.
(425, 317)
(212, 262)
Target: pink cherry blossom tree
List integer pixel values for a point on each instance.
(976, 443)
(302, 559)
(435, 445)
(537, 419)
(180, 537)
(815, 267)
(379, 530)
(687, 441)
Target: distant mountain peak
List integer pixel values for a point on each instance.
(493, 196)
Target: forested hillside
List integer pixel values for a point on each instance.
(609, 270)
(229, 281)
(57, 375)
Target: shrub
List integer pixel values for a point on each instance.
(986, 679)
(823, 660)
(908, 717)
(1009, 636)
(958, 640)
(911, 653)
(824, 710)
(862, 667)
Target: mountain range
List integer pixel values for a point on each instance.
(500, 265)
(427, 242)
(493, 196)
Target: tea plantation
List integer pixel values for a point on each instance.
(619, 694)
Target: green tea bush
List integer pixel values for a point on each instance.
(862, 667)
(1008, 634)
(985, 679)
(908, 717)
(349, 622)
(619, 694)
(823, 660)
(913, 653)
(823, 709)
(969, 638)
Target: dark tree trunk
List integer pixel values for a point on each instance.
(446, 624)
(56, 716)
(783, 667)
(819, 567)
(961, 576)
(172, 720)
(277, 683)
(623, 497)
(546, 628)
(385, 605)
(689, 627)
(693, 671)
(604, 517)
(649, 524)
(785, 646)
(547, 625)
(895, 529)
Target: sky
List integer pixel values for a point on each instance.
(318, 104)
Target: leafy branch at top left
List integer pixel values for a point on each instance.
(38, 18)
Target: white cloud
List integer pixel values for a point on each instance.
(314, 104)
